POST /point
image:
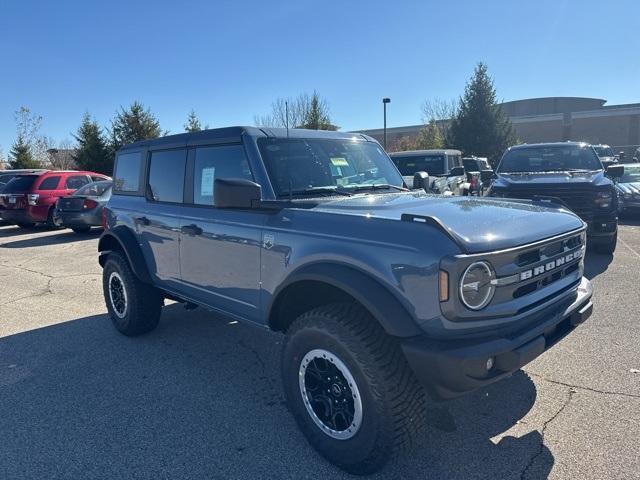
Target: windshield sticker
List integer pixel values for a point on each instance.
(339, 162)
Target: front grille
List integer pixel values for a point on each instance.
(578, 200)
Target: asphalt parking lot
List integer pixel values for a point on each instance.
(200, 397)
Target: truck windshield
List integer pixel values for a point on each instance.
(19, 184)
(432, 164)
(550, 159)
(302, 166)
(604, 151)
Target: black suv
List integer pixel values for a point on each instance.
(568, 173)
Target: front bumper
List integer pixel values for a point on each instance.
(452, 368)
(602, 229)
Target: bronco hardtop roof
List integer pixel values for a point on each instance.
(234, 135)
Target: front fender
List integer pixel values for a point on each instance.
(383, 305)
(121, 238)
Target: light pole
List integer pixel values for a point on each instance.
(384, 135)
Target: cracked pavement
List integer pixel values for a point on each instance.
(200, 397)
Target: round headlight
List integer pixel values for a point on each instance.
(476, 288)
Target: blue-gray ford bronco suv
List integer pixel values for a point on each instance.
(382, 293)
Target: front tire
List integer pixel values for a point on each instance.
(350, 388)
(54, 220)
(134, 306)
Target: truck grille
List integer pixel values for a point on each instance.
(579, 200)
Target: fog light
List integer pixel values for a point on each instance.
(490, 362)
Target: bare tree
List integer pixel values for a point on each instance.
(3, 161)
(62, 157)
(441, 112)
(294, 112)
(28, 126)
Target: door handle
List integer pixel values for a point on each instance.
(142, 220)
(191, 230)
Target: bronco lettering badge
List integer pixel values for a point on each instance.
(552, 265)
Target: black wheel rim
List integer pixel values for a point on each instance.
(117, 294)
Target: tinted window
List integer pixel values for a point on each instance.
(550, 159)
(4, 179)
(604, 151)
(432, 164)
(217, 162)
(50, 183)
(20, 184)
(166, 175)
(76, 181)
(94, 189)
(127, 175)
(471, 165)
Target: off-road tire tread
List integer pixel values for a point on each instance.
(385, 368)
(144, 301)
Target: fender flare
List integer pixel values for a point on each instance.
(125, 240)
(383, 305)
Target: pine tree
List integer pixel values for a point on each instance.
(134, 124)
(92, 153)
(193, 123)
(429, 137)
(317, 117)
(480, 127)
(21, 155)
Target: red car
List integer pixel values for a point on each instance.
(31, 198)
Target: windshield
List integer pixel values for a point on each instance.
(604, 151)
(549, 159)
(20, 184)
(95, 189)
(432, 164)
(631, 174)
(302, 165)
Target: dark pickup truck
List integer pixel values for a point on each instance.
(382, 293)
(569, 174)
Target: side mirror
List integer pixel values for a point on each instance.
(236, 193)
(421, 181)
(615, 171)
(487, 175)
(456, 171)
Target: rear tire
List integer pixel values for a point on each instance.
(360, 361)
(609, 247)
(81, 229)
(134, 306)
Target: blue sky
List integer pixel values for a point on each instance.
(229, 60)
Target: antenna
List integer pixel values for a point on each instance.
(286, 114)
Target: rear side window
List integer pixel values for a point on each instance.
(227, 161)
(166, 175)
(76, 181)
(127, 175)
(50, 183)
(20, 184)
(432, 164)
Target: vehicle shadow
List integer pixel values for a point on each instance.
(200, 397)
(596, 263)
(54, 238)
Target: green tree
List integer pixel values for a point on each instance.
(92, 152)
(429, 137)
(480, 127)
(21, 155)
(193, 123)
(132, 125)
(317, 116)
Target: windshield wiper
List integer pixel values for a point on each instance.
(378, 186)
(320, 191)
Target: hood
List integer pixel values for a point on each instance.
(532, 180)
(633, 187)
(477, 224)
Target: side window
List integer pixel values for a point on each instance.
(166, 175)
(50, 183)
(228, 161)
(127, 175)
(76, 181)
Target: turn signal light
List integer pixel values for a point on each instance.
(443, 283)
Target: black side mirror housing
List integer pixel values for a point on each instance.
(236, 193)
(421, 181)
(615, 171)
(487, 175)
(456, 171)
